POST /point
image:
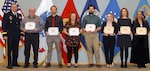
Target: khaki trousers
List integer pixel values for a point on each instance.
(92, 42)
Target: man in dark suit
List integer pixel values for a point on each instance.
(12, 34)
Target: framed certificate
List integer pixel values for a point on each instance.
(30, 25)
(141, 31)
(125, 30)
(90, 27)
(108, 30)
(53, 30)
(74, 31)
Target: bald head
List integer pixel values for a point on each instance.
(32, 11)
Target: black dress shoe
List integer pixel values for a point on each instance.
(121, 66)
(26, 66)
(35, 66)
(143, 66)
(16, 65)
(125, 66)
(139, 66)
(9, 67)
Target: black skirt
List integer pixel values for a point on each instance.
(124, 41)
(140, 50)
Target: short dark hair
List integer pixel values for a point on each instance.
(91, 6)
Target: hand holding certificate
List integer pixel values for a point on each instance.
(53, 31)
(74, 31)
(125, 30)
(141, 31)
(30, 25)
(108, 30)
(90, 27)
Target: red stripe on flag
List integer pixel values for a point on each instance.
(4, 56)
(64, 53)
(2, 43)
(1, 29)
(1, 17)
(22, 13)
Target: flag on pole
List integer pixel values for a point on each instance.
(2, 42)
(43, 11)
(86, 12)
(144, 7)
(70, 7)
(114, 9)
(5, 9)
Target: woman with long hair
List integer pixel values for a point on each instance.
(109, 39)
(124, 39)
(140, 50)
(72, 42)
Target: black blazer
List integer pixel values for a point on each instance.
(58, 23)
(113, 24)
(136, 24)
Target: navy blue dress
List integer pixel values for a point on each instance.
(124, 40)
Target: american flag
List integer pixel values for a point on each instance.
(7, 5)
(5, 9)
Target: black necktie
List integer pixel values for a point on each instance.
(15, 14)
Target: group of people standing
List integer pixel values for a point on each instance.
(139, 43)
(14, 28)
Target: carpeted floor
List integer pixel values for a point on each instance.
(131, 67)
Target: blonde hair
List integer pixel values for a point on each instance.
(113, 20)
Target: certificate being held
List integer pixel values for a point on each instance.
(90, 27)
(30, 25)
(53, 31)
(74, 31)
(125, 30)
(141, 31)
(108, 30)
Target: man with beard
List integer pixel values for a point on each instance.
(92, 37)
